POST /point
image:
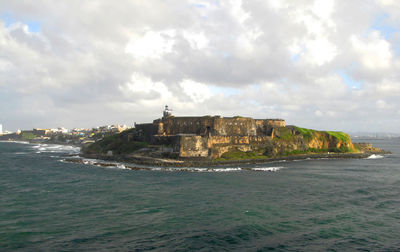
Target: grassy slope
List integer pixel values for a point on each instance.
(117, 143)
(338, 136)
(286, 135)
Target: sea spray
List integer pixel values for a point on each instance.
(374, 156)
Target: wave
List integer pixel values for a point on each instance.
(94, 162)
(101, 163)
(20, 142)
(56, 148)
(212, 169)
(373, 156)
(272, 169)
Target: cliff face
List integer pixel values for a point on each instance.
(283, 141)
(293, 139)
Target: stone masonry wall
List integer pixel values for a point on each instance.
(216, 126)
(235, 126)
(184, 125)
(193, 146)
(204, 146)
(209, 136)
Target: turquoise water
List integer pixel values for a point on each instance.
(337, 205)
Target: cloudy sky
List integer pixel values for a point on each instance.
(323, 64)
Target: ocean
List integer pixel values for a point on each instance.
(48, 204)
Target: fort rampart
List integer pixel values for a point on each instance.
(208, 136)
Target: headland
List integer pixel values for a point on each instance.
(217, 140)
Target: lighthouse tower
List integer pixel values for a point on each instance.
(167, 112)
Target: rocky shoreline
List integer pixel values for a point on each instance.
(139, 162)
(163, 162)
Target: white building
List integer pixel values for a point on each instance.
(1, 129)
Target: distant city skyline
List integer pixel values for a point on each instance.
(322, 64)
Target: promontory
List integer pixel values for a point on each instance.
(214, 140)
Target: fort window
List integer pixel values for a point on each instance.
(208, 130)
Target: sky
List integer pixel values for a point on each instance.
(321, 64)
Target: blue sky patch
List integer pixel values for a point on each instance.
(295, 57)
(6, 17)
(381, 24)
(224, 90)
(350, 82)
(199, 5)
(33, 26)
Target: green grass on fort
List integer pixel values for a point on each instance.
(117, 143)
(308, 134)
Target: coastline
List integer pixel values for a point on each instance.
(136, 162)
(160, 162)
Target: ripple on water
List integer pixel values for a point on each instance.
(318, 205)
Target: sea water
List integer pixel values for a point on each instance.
(310, 205)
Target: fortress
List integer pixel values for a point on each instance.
(207, 136)
(217, 138)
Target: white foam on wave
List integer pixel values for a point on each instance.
(20, 142)
(192, 169)
(101, 163)
(226, 169)
(20, 153)
(198, 169)
(56, 148)
(373, 156)
(271, 169)
(105, 164)
(121, 166)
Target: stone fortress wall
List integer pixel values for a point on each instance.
(217, 126)
(208, 136)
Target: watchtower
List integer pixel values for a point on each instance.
(167, 112)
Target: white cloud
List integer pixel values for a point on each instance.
(319, 51)
(331, 87)
(319, 113)
(277, 4)
(390, 3)
(141, 86)
(198, 92)
(237, 11)
(388, 88)
(315, 46)
(324, 9)
(197, 40)
(374, 51)
(151, 45)
(381, 104)
(129, 59)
